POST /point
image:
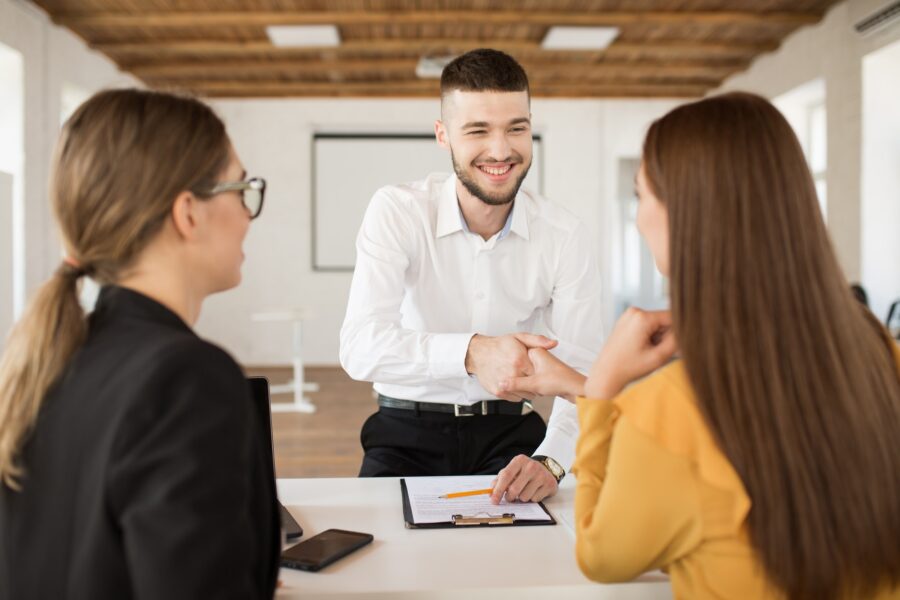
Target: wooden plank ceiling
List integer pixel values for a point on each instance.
(219, 48)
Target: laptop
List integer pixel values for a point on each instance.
(260, 389)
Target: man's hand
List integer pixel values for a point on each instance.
(524, 479)
(496, 359)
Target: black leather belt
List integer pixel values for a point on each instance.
(485, 407)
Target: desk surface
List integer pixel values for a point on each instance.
(510, 562)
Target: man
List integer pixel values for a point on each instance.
(450, 274)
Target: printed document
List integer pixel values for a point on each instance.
(428, 507)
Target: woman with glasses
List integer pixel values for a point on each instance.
(129, 467)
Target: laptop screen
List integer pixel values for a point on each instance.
(259, 387)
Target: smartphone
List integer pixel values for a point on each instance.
(321, 550)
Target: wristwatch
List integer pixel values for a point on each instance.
(551, 465)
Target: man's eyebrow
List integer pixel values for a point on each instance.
(484, 124)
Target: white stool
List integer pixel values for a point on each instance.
(298, 385)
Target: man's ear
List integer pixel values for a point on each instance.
(440, 134)
(183, 216)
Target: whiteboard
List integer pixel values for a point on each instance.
(347, 170)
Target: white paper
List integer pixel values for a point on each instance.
(428, 507)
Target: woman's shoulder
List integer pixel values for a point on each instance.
(151, 370)
(189, 357)
(183, 376)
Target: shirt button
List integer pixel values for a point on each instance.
(479, 295)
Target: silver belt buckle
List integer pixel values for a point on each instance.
(456, 412)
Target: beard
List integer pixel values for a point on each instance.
(481, 193)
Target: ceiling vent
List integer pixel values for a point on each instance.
(885, 17)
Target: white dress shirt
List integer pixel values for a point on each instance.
(424, 285)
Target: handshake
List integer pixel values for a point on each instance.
(518, 367)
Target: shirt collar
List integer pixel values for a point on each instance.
(448, 209)
(450, 218)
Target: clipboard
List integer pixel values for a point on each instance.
(462, 521)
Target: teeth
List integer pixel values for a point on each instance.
(496, 171)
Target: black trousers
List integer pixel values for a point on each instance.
(402, 443)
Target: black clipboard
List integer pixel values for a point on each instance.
(480, 520)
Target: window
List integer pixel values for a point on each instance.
(804, 108)
(880, 193)
(12, 163)
(637, 280)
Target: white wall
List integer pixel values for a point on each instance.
(833, 51)
(53, 58)
(582, 140)
(881, 178)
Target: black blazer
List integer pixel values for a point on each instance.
(145, 475)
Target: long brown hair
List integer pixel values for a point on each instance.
(121, 160)
(795, 378)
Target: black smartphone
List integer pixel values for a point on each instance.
(321, 550)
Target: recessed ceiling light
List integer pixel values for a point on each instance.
(579, 38)
(298, 36)
(431, 67)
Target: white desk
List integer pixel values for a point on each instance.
(474, 564)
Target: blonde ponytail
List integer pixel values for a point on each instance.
(39, 347)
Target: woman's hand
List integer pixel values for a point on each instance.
(551, 377)
(641, 342)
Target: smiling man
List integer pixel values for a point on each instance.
(455, 277)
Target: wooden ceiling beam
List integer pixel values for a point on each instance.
(535, 69)
(304, 89)
(419, 88)
(420, 46)
(623, 93)
(610, 92)
(227, 18)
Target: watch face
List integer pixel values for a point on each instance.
(554, 467)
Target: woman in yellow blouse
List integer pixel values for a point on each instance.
(765, 463)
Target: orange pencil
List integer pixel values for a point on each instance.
(463, 494)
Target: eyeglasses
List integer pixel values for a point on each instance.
(253, 191)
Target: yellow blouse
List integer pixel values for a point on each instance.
(654, 491)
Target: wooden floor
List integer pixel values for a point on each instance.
(326, 443)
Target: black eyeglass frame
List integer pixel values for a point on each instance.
(254, 184)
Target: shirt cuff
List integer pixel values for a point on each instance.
(559, 443)
(448, 355)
